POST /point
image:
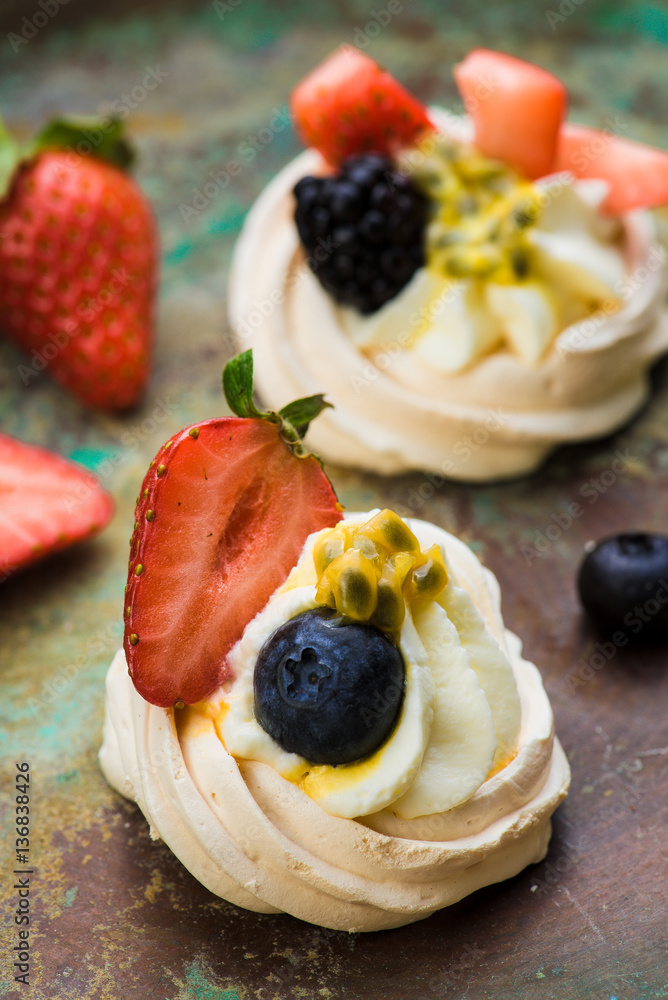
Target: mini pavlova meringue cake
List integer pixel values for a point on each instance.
(437, 275)
(319, 715)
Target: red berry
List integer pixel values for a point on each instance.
(349, 104)
(637, 174)
(47, 504)
(222, 517)
(78, 251)
(517, 109)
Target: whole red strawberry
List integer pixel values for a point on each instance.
(78, 249)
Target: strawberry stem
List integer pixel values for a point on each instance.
(292, 420)
(87, 136)
(10, 157)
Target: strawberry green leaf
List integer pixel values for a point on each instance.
(303, 411)
(238, 387)
(293, 420)
(10, 157)
(87, 136)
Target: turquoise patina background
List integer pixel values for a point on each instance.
(114, 914)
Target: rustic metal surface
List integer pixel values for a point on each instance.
(115, 915)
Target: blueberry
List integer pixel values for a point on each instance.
(328, 688)
(623, 585)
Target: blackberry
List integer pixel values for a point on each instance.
(368, 222)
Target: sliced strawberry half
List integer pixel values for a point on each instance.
(349, 104)
(221, 519)
(517, 109)
(46, 504)
(637, 174)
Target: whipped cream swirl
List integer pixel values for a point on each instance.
(260, 841)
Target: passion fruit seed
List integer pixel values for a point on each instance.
(391, 606)
(429, 577)
(354, 582)
(327, 549)
(482, 210)
(369, 549)
(368, 572)
(387, 530)
(403, 563)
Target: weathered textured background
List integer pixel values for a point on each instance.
(116, 915)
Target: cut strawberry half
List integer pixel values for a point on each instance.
(517, 109)
(221, 519)
(349, 104)
(46, 504)
(637, 174)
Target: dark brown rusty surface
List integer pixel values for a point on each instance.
(115, 915)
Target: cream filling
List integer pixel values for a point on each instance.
(577, 263)
(397, 408)
(255, 838)
(460, 713)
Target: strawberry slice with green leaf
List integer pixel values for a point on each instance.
(349, 104)
(221, 519)
(517, 109)
(46, 504)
